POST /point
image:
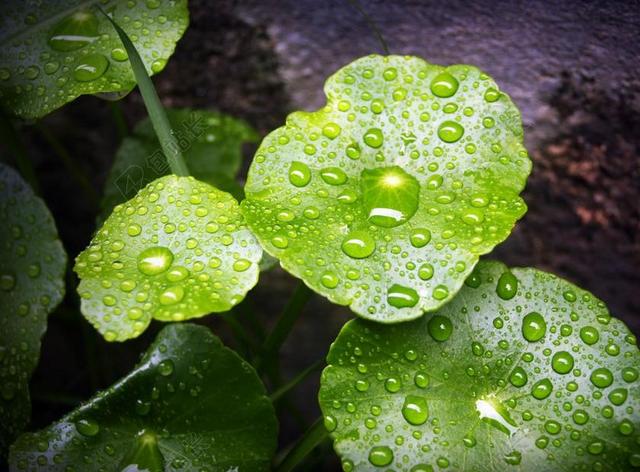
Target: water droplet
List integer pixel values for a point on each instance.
(402, 297)
(91, 67)
(333, 176)
(542, 389)
(87, 427)
(178, 273)
(119, 54)
(171, 295)
(562, 362)
(7, 282)
(507, 286)
(358, 245)
(580, 417)
(134, 229)
(618, 396)
(491, 95)
(440, 328)
(299, 174)
(155, 260)
(420, 237)
(330, 423)
(380, 456)
(589, 335)
(329, 280)
(601, 377)
(74, 32)
(513, 458)
(496, 415)
(32, 72)
(518, 377)
(534, 327)
(373, 138)
(390, 196)
(241, 265)
(331, 130)
(444, 85)
(425, 272)
(415, 410)
(629, 374)
(450, 131)
(165, 367)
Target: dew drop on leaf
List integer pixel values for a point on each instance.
(358, 245)
(507, 286)
(155, 260)
(91, 67)
(534, 327)
(400, 296)
(444, 85)
(380, 456)
(415, 410)
(390, 196)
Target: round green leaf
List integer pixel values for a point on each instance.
(31, 286)
(522, 370)
(179, 249)
(211, 144)
(190, 404)
(52, 52)
(375, 201)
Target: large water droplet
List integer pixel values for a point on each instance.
(601, 377)
(333, 176)
(589, 335)
(87, 427)
(91, 67)
(402, 297)
(562, 362)
(440, 328)
(518, 377)
(415, 410)
(358, 244)
(542, 389)
(373, 138)
(155, 260)
(172, 295)
(496, 415)
(299, 174)
(390, 196)
(444, 85)
(74, 32)
(450, 131)
(380, 456)
(507, 286)
(534, 327)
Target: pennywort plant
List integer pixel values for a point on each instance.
(383, 200)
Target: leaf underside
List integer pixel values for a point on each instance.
(179, 249)
(61, 49)
(385, 198)
(211, 144)
(31, 286)
(541, 379)
(190, 404)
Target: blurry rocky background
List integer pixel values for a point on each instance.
(572, 68)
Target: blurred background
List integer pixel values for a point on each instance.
(571, 67)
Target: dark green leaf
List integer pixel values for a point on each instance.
(177, 250)
(52, 52)
(384, 199)
(211, 144)
(190, 404)
(31, 286)
(536, 377)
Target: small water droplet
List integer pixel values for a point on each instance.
(415, 410)
(507, 286)
(90, 67)
(534, 327)
(440, 328)
(373, 138)
(562, 362)
(402, 297)
(87, 427)
(333, 176)
(358, 245)
(380, 456)
(450, 131)
(166, 367)
(171, 295)
(601, 377)
(299, 174)
(444, 85)
(542, 389)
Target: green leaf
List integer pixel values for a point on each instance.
(58, 50)
(190, 404)
(375, 201)
(211, 143)
(179, 249)
(521, 371)
(31, 286)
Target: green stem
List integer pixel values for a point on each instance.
(119, 120)
(311, 439)
(69, 164)
(247, 343)
(10, 137)
(285, 389)
(156, 112)
(284, 325)
(355, 4)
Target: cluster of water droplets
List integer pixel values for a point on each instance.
(80, 48)
(383, 189)
(519, 355)
(178, 249)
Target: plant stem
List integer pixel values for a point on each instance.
(69, 164)
(157, 115)
(285, 389)
(313, 437)
(355, 4)
(119, 120)
(247, 342)
(284, 325)
(12, 140)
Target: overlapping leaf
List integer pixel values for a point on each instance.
(179, 249)
(385, 198)
(52, 52)
(211, 144)
(521, 371)
(31, 286)
(190, 404)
